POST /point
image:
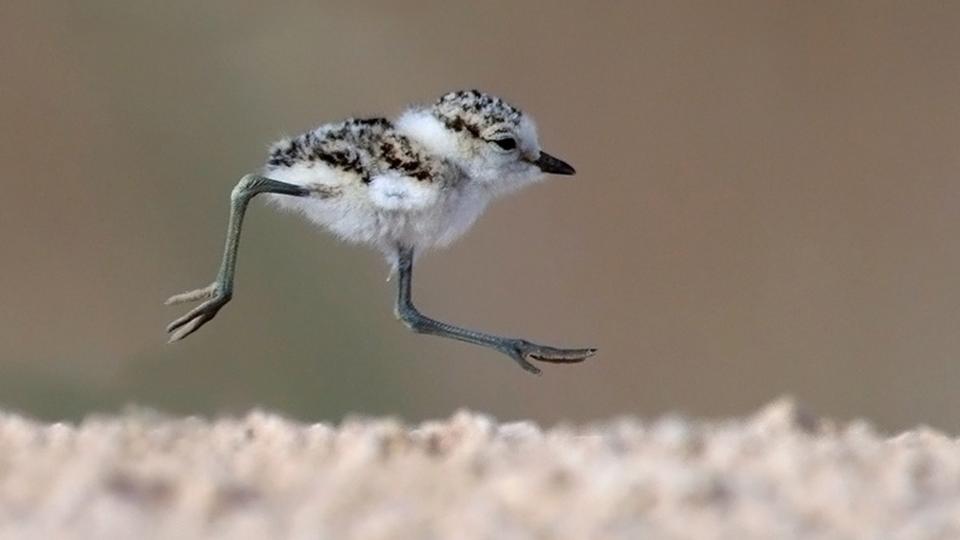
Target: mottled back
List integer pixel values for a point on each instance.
(473, 111)
(367, 147)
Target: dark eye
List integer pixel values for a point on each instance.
(507, 143)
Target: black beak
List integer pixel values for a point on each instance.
(552, 165)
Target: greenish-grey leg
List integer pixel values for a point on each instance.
(218, 293)
(517, 349)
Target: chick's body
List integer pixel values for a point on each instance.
(374, 185)
(402, 186)
(421, 181)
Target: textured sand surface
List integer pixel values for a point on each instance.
(780, 473)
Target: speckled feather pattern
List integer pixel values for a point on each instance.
(365, 147)
(402, 186)
(472, 111)
(421, 180)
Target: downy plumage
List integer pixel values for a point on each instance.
(404, 186)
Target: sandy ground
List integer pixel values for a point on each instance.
(781, 473)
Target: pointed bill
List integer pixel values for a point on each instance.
(552, 165)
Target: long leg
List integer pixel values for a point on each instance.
(518, 349)
(218, 293)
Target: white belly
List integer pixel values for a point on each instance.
(350, 214)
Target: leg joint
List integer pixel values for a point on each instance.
(411, 318)
(245, 187)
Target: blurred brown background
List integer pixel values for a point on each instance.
(766, 203)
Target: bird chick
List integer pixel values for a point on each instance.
(405, 186)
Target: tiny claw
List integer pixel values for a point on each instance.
(519, 350)
(563, 356)
(188, 328)
(192, 296)
(198, 316)
(527, 366)
(532, 369)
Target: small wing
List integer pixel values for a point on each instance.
(392, 191)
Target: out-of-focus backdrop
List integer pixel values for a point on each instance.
(767, 202)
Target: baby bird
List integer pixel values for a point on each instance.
(404, 186)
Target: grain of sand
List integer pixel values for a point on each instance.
(780, 473)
